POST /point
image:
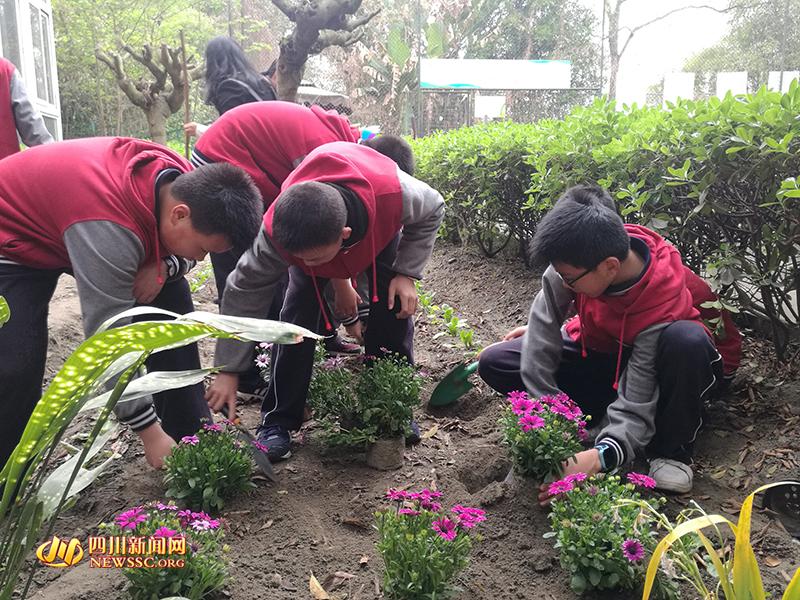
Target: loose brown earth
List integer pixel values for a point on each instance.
(318, 517)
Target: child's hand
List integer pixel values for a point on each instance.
(403, 286)
(346, 299)
(222, 392)
(587, 462)
(146, 286)
(157, 445)
(515, 333)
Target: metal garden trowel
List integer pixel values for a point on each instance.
(454, 385)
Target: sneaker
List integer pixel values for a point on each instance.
(338, 345)
(671, 475)
(277, 440)
(414, 437)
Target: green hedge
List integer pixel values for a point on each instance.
(715, 177)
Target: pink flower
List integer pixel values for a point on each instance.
(215, 427)
(446, 528)
(562, 486)
(260, 446)
(425, 494)
(408, 511)
(335, 362)
(204, 524)
(430, 505)
(161, 506)
(513, 396)
(530, 422)
(469, 517)
(164, 532)
(131, 518)
(593, 490)
(191, 440)
(575, 477)
(396, 495)
(265, 345)
(521, 406)
(642, 480)
(262, 361)
(633, 550)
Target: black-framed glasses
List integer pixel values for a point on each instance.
(571, 282)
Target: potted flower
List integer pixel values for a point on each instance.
(205, 469)
(165, 551)
(603, 533)
(541, 434)
(423, 547)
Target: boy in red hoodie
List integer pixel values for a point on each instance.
(637, 351)
(345, 210)
(115, 213)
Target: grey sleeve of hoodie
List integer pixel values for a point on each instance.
(29, 122)
(423, 211)
(542, 344)
(105, 258)
(248, 293)
(631, 417)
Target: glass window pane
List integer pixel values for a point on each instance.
(46, 47)
(51, 124)
(38, 53)
(9, 32)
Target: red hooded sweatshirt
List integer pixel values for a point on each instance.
(609, 322)
(269, 139)
(373, 178)
(48, 188)
(9, 144)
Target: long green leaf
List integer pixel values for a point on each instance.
(5, 312)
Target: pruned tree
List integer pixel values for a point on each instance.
(160, 96)
(317, 25)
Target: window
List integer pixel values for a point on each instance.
(40, 23)
(9, 34)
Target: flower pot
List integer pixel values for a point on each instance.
(386, 454)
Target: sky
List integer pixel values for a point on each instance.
(664, 46)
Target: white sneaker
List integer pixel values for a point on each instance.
(671, 475)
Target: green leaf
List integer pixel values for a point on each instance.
(5, 311)
(435, 38)
(397, 49)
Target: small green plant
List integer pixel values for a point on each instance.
(542, 434)
(445, 316)
(602, 542)
(189, 557)
(423, 547)
(205, 469)
(200, 277)
(357, 403)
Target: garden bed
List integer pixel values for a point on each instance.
(318, 518)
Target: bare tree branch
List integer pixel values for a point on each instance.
(146, 59)
(335, 38)
(351, 24)
(114, 63)
(287, 9)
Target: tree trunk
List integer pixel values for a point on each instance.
(613, 47)
(157, 116)
(290, 70)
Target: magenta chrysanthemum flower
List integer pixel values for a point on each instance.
(335, 362)
(562, 486)
(409, 511)
(430, 505)
(191, 440)
(425, 494)
(215, 427)
(642, 480)
(633, 550)
(446, 528)
(531, 422)
(516, 395)
(164, 532)
(469, 517)
(170, 507)
(575, 477)
(396, 495)
(522, 405)
(131, 518)
(260, 446)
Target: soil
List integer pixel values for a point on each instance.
(318, 518)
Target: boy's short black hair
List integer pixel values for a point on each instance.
(581, 230)
(308, 215)
(223, 200)
(395, 148)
